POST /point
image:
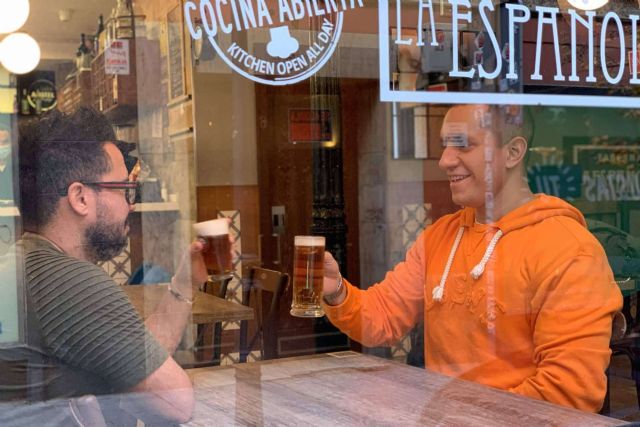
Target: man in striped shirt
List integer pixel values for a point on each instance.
(83, 336)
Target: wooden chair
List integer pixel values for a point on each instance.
(620, 343)
(220, 292)
(265, 284)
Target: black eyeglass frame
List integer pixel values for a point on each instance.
(131, 188)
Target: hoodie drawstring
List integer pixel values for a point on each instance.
(476, 272)
(479, 269)
(438, 291)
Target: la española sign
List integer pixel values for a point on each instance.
(600, 70)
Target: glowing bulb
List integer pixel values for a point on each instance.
(13, 15)
(19, 53)
(588, 4)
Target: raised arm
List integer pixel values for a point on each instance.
(385, 312)
(168, 322)
(168, 392)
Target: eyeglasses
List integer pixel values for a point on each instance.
(130, 188)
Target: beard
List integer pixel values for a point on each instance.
(104, 240)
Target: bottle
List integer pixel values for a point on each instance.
(25, 109)
(96, 38)
(164, 194)
(82, 49)
(124, 20)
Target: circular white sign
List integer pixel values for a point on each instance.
(273, 46)
(283, 71)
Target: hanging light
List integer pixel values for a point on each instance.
(588, 4)
(19, 53)
(13, 15)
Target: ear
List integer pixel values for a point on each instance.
(516, 149)
(79, 198)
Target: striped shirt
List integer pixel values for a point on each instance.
(83, 336)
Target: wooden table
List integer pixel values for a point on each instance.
(206, 309)
(347, 388)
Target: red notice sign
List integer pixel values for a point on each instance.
(310, 126)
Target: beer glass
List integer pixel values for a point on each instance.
(217, 247)
(308, 275)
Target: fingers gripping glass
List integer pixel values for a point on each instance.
(130, 188)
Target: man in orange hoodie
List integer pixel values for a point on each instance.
(514, 291)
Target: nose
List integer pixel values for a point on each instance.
(449, 158)
(132, 207)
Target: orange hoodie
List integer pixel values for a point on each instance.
(525, 305)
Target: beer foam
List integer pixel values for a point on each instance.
(215, 227)
(309, 241)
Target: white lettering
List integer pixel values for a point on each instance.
(188, 7)
(588, 24)
(236, 17)
(317, 10)
(488, 4)
(611, 185)
(634, 49)
(284, 10)
(210, 27)
(432, 27)
(603, 48)
(553, 21)
(298, 9)
(263, 13)
(331, 6)
(513, 20)
(455, 17)
(226, 28)
(327, 26)
(248, 16)
(399, 39)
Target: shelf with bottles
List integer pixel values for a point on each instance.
(75, 92)
(115, 94)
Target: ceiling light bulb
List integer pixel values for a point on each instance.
(19, 53)
(588, 4)
(13, 15)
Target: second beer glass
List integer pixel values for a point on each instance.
(308, 275)
(217, 250)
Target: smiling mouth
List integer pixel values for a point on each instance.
(453, 179)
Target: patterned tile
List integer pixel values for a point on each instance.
(415, 218)
(231, 358)
(234, 290)
(119, 268)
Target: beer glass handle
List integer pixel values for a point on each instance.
(278, 260)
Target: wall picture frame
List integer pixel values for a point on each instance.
(176, 53)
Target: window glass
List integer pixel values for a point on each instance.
(172, 173)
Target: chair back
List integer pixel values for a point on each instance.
(619, 344)
(618, 326)
(266, 285)
(218, 289)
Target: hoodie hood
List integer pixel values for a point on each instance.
(533, 212)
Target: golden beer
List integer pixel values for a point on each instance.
(308, 275)
(217, 247)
